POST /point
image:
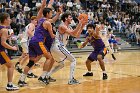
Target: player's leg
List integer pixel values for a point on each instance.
(24, 57)
(47, 65)
(111, 52)
(4, 59)
(88, 66)
(34, 53)
(91, 58)
(100, 58)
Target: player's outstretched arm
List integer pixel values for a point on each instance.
(53, 20)
(85, 43)
(40, 12)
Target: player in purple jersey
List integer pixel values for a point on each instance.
(99, 49)
(4, 59)
(37, 47)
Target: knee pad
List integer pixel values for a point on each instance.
(30, 64)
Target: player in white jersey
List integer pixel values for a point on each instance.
(26, 36)
(104, 36)
(59, 51)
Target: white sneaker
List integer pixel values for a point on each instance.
(12, 87)
(73, 81)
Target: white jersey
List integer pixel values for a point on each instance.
(63, 38)
(26, 37)
(103, 35)
(59, 50)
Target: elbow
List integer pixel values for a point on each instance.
(77, 36)
(3, 43)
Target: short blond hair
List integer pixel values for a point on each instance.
(33, 17)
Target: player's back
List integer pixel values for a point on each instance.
(25, 35)
(40, 32)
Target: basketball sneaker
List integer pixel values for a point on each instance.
(37, 65)
(22, 83)
(51, 79)
(113, 56)
(11, 87)
(105, 76)
(73, 81)
(32, 75)
(17, 64)
(88, 74)
(18, 68)
(45, 80)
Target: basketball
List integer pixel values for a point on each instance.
(85, 16)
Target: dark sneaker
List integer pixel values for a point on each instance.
(19, 69)
(113, 57)
(32, 75)
(73, 81)
(37, 65)
(51, 79)
(22, 83)
(105, 76)
(88, 74)
(45, 80)
(11, 87)
(17, 64)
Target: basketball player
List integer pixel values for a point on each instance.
(37, 48)
(29, 32)
(104, 36)
(59, 50)
(99, 49)
(4, 59)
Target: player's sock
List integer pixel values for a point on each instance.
(104, 71)
(89, 71)
(44, 74)
(72, 68)
(30, 71)
(22, 77)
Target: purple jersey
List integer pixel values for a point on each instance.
(97, 43)
(99, 48)
(1, 47)
(40, 33)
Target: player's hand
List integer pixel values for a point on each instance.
(51, 1)
(80, 46)
(84, 22)
(14, 48)
(81, 20)
(98, 28)
(43, 3)
(53, 36)
(60, 9)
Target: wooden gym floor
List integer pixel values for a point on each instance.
(123, 76)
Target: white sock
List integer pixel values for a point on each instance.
(56, 68)
(20, 66)
(44, 74)
(72, 68)
(89, 71)
(30, 71)
(22, 77)
(10, 83)
(104, 71)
